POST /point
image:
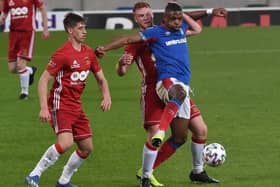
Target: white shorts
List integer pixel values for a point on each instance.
(162, 88)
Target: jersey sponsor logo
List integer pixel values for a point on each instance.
(167, 33)
(175, 42)
(75, 64)
(79, 77)
(19, 11)
(87, 60)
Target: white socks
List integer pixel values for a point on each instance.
(148, 158)
(47, 160)
(72, 165)
(24, 79)
(196, 150)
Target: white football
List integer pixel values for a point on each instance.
(214, 155)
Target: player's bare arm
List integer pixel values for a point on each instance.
(220, 12)
(123, 65)
(104, 90)
(45, 33)
(120, 42)
(194, 27)
(44, 114)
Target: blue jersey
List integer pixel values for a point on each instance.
(170, 52)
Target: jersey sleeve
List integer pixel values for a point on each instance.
(38, 3)
(95, 66)
(6, 7)
(149, 33)
(55, 64)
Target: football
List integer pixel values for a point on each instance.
(214, 154)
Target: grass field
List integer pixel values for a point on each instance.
(235, 75)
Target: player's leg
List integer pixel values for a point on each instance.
(85, 147)
(173, 93)
(199, 135)
(51, 155)
(24, 78)
(12, 66)
(179, 128)
(25, 42)
(61, 122)
(16, 64)
(83, 137)
(149, 154)
(152, 108)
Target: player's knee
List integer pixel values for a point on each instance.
(177, 92)
(21, 65)
(13, 70)
(66, 145)
(179, 139)
(86, 151)
(201, 132)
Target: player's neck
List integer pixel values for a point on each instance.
(76, 45)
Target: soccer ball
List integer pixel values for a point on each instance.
(214, 155)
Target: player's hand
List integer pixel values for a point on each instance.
(44, 115)
(2, 20)
(45, 34)
(99, 51)
(220, 12)
(106, 104)
(126, 59)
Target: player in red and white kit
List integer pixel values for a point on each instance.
(22, 36)
(152, 107)
(68, 68)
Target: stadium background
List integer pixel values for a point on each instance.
(235, 76)
(156, 4)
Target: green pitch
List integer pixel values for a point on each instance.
(235, 76)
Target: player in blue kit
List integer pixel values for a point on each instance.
(168, 44)
(172, 63)
(169, 47)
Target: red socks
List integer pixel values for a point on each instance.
(168, 114)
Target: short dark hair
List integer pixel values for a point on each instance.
(172, 7)
(72, 19)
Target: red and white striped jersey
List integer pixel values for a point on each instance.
(70, 69)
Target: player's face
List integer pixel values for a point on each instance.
(144, 17)
(79, 32)
(173, 20)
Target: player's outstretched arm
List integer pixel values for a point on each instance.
(104, 90)
(45, 33)
(44, 114)
(119, 42)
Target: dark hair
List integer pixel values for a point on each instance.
(172, 7)
(71, 20)
(140, 4)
